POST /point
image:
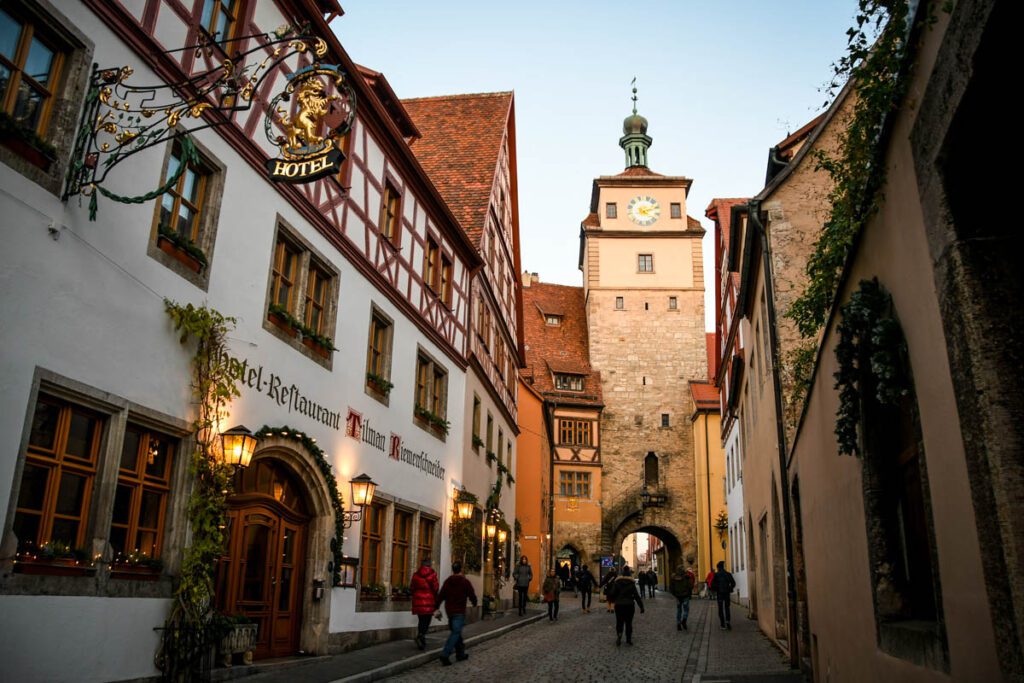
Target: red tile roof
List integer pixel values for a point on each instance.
(693, 224)
(592, 220)
(459, 147)
(712, 356)
(705, 395)
(562, 348)
(639, 171)
(720, 210)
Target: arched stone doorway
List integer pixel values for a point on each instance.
(280, 524)
(674, 551)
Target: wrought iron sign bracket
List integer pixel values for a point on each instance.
(305, 121)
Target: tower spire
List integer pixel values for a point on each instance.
(635, 141)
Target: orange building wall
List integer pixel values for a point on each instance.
(532, 474)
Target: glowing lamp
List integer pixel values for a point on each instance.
(363, 489)
(237, 446)
(464, 508)
(502, 535)
(491, 530)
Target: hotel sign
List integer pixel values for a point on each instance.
(309, 134)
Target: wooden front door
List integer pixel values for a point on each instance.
(261, 575)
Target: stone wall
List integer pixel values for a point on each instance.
(646, 354)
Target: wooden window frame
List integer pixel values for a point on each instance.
(432, 265)
(675, 210)
(57, 461)
(425, 550)
(673, 303)
(401, 548)
(376, 512)
(282, 247)
(430, 392)
(390, 221)
(8, 99)
(645, 263)
(313, 303)
(552, 320)
(381, 365)
(141, 482)
(574, 484)
(611, 210)
(477, 416)
(445, 288)
(202, 172)
(620, 303)
(567, 381)
(238, 6)
(575, 432)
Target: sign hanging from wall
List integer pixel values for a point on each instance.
(308, 133)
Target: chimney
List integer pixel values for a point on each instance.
(534, 278)
(530, 278)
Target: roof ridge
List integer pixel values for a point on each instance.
(453, 96)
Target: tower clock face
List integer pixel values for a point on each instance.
(643, 210)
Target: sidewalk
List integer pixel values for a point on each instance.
(378, 661)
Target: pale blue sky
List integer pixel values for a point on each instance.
(720, 83)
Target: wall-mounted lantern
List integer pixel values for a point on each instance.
(363, 489)
(237, 446)
(464, 506)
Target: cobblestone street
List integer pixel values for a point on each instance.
(581, 647)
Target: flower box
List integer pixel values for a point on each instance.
(180, 255)
(239, 639)
(134, 573)
(317, 348)
(282, 323)
(26, 151)
(57, 566)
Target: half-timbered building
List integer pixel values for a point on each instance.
(468, 146)
(558, 369)
(352, 298)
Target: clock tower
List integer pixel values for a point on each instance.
(643, 283)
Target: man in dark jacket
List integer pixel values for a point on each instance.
(522, 575)
(652, 581)
(624, 593)
(722, 586)
(681, 587)
(585, 582)
(454, 593)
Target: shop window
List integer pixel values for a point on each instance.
(401, 537)
(57, 480)
(31, 60)
(372, 541)
(378, 354)
(645, 263)
(140, 500)
(574, 483)
(425, 540)
(302, 297)
(566, 382)
(390, 214)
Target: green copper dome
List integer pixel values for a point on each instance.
(634, 124)
(634, 141)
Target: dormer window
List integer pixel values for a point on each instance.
(567, 382)
(551, 319)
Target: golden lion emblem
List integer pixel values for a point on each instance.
(313, 106)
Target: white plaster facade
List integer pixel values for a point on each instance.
(734, 504)
(84, 317)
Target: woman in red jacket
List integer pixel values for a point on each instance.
(424, 587)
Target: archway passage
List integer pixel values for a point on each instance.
(660, 550)
(262, 573)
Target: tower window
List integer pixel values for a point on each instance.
(611, 210)
(619, 303)
(664, 420)
(675, 210)
(645, 263)
(673, 303)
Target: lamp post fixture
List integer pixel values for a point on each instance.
(363, 489)
(502, 535)
(463, 506)
(237, 446)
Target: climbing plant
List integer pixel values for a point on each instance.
(871, 348)
(465, 537)
(213, 386)
(875, 63)
(337, 502)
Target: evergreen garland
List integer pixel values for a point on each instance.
(867, 334)
(337, 502)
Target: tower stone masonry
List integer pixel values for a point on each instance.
(644, 286)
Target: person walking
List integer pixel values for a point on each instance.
(585, 582)
(454, 593)
(710, 595)
(723, 584)
(652, 581)
(681, 587)
(552, 587)
(575, 581)
(624, 594)
(424, 587)
(522, 575)
(641, 578)
(606, 586)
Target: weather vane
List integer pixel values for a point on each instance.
(634, 94)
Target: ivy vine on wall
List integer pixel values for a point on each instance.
(871, 346)
(337, 502)
(465, 537)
